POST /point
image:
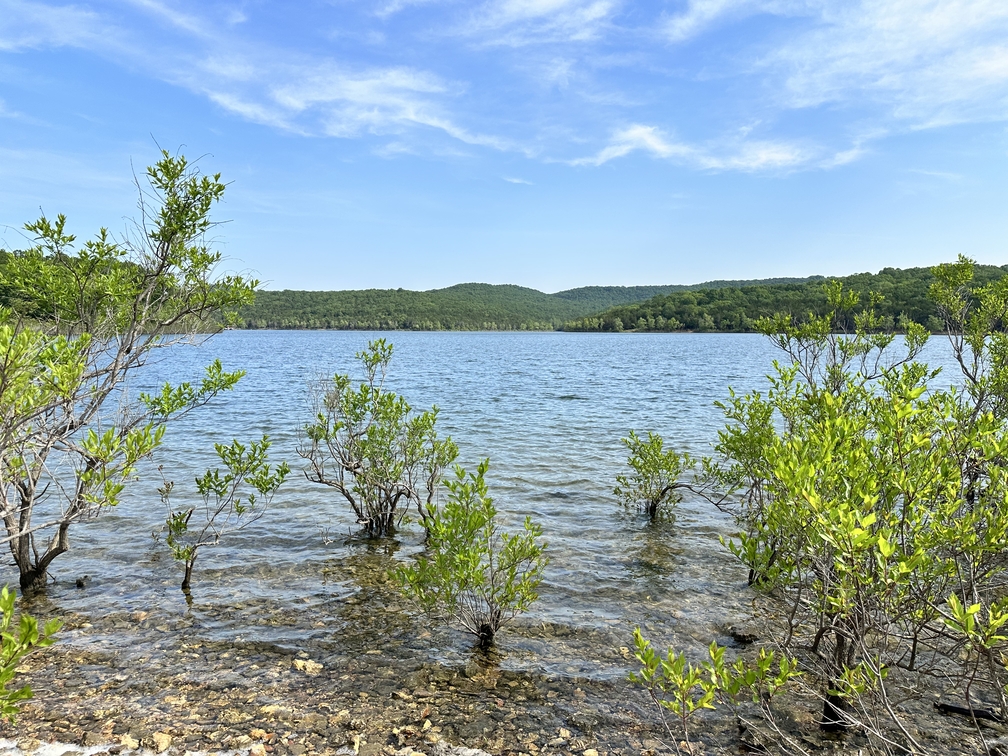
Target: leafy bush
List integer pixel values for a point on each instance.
(368, 444)
(656, 477)
(472, 573)
(684, 689)
(224, 508)
(78, 323)
(875, 507)
(14, 647)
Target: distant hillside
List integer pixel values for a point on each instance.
(603, 297)
(736, 305)
(471, 306)
(711, 306)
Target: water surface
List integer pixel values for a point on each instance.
(549, 409)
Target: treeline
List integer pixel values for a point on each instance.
(465, 307)
(736, 308)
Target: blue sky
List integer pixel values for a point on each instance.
(549, 143)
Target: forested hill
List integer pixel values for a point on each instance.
(736, 307)
(471, 306)
(710, 306)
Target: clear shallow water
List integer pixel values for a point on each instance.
(549, 410)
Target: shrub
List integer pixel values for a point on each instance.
(685, 689)
(14, 648)
(656, 477)
(472, 573)
(875, 507)
(369, 445)
(78, 324)
(224, 509)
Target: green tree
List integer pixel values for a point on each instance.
(81, 322)
(368, 444)
(224, 509)
(875, 506)
(472, 573)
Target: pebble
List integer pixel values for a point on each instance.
(162, 741)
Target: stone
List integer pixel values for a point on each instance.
(129, 742)
(92, 739)
(342, 719)
(443, 748)
(162, 740)
(257, 749)
(307, 666)
(589, 752)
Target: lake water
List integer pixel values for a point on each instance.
(549, 409)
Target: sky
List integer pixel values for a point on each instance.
(546, 143)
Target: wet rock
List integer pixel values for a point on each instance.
(307, 666)
(443, 748)
(162, 741)
(128, 742)
(92, 739)
(743, 636)
(83, 582)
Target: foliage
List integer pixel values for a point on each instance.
(224, 508)
(684, 689)
(875, 507)
(656, 477)
(79, 323)
(15, 645)
(369, 445)
(472, 573)
(738, 308)
(465, 307)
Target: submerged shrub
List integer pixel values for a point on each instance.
(473, 574)
(657, 474)
(368, 444)
(231, 500)
(874, 507)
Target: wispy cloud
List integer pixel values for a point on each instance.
(924, 62)
(395, 6)
(518, 23)
(25, 25)
(944, 175)
(877, 66)
(747, 156)
(298, 93)
(927, 63)
(700, 15)
(513, 180)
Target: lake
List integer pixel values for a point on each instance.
(548, 409)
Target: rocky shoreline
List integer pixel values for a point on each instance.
(214, 696)
(167, 689)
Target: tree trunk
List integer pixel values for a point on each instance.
(34, 573)
(33, 580)
(190, 563)
(485, 636)
(834, 707)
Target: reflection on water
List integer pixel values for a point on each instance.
(548, 409)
